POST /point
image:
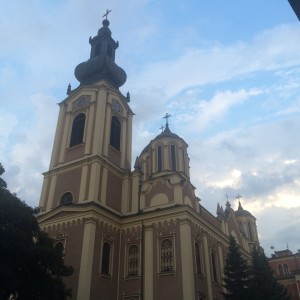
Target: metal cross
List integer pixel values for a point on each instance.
(106, 14)
(162, 127)
(167, 116)
(238, 196)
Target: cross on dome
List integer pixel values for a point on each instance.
(106, 14)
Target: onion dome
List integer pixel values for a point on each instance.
(101, 64)
(242, 212)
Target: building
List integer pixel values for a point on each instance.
(286, 267)
(130, 234)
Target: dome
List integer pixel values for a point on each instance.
(242, 212)
(167, 133)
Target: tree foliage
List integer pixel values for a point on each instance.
(264, 285)
(31, 267)
(236, 273)
(253, 281)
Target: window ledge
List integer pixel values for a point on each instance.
(105, 276)
(132, 277)
(167, 273)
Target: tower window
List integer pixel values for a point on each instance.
(198, 258)
(166, 256)
(133, 260)
(250, 231)
(159, 158)
(115, 133)
(97, 49)
(173, 158)
(109, 51)
(77, 130)
(105, 259)
(67, 198)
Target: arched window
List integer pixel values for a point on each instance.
(214, 267)
(198, 258)
(59, 246)
(115, 133)
(77, 130)
(159, 158)
(133, 260)
(280, 270)
(67, 198)
(97, 49)
(286, 269)
(250, 231)
(173, 158)
(166, 256)
(105, 259)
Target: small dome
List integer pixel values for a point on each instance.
(167, 133)
(242, 212)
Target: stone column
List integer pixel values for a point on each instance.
(148, 263)
(207, 268)
(188, 284)
(86, 262)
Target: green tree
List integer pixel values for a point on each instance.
(31, 267)
(236, 273)
(264, 285)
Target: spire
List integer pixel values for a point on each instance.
(101, 65)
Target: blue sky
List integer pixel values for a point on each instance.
(227, 71)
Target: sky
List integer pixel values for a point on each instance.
(227, 71)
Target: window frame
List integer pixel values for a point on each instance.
(77, 133)
(110, 260)
(214, 267)
(199, 271)
(173, 157)
(66, 203)
(138, 267)
(161, 240)
(115, 133)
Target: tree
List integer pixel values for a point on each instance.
(236, 273)
(264, 285)
(31, 267)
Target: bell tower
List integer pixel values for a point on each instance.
(91, 155)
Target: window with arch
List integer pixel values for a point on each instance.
(280, 270)
(77, 130)
(115, 133)
(166, 256)
(66, 198)
(133, 260)
(159, 158)
(214, 266)
(59, 246)
(105, 262)
(173, 157)
(286, 269)
(250, 231)
(198, 258)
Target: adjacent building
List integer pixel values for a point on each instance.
(286, 267)
(130, 233)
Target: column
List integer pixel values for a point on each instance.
(51, 192)
(188, 284)
(123, 141)
(65, 135)
(207, 268)
(94, 182)
(221, 264)
(43, 198)
(148, 263)
(86, 262)
(89, 129)
(83, 183)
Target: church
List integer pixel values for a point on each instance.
(131, 231)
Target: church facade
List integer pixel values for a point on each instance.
(130, 234)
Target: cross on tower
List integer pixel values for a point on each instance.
(106, 14)
(162, 127)
(238, 196)
(167, 116)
